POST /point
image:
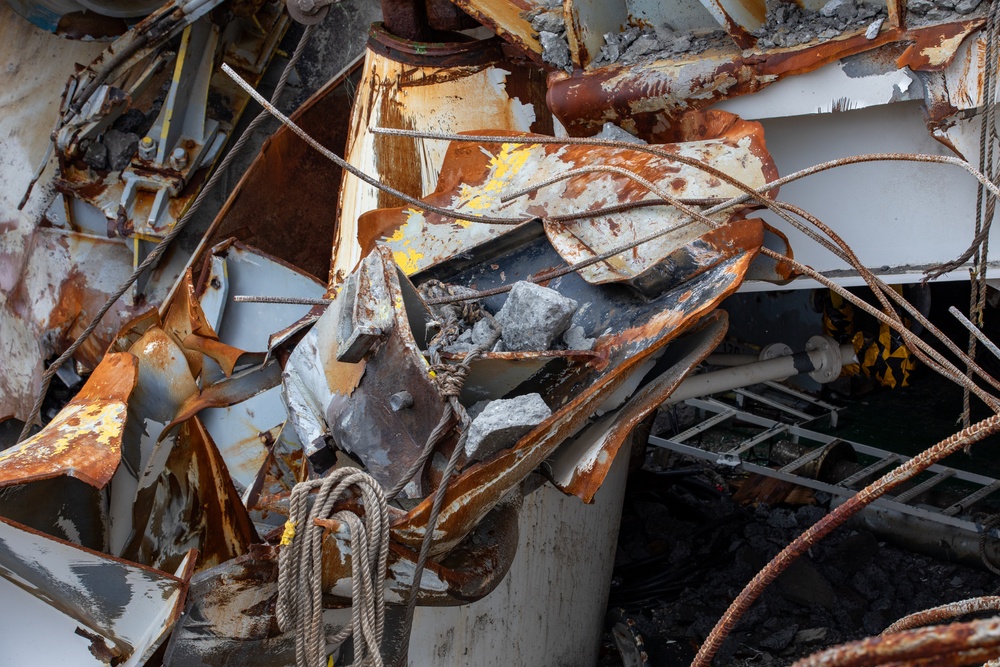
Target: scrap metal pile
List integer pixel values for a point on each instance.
(260, 462)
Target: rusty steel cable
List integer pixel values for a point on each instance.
(162, 246)
(984, 218)
(833, 520)
(966, 643)
(944, 612)
(652, 150)
(749, 193)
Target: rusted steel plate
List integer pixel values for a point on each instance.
(67, 605)
(186, 500)
(350, 400)
(648, 98)
(50, 288)
(475, 177)
(580, 465)
(229, 617)
(85, 438)
(416, 88)
(507, 19)
(639, 328)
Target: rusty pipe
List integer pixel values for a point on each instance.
(944, 612)
(977, 640)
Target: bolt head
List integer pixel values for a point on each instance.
(147, 148)
(178, 158)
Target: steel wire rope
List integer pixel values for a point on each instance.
(749, 192)
(944, 612)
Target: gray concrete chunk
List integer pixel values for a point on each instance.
(502, 423)
(576, 339)
(533, 316)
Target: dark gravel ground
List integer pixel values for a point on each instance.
(686, 550)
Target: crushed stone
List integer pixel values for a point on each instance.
(633, 44)
(788, 24)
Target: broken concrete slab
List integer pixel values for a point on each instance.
(533, 316)
(502, 423)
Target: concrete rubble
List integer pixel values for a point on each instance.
(788, 24)
(504, 280)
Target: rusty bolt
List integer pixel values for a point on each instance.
(400, 401)
(178, 158)
(147, 148)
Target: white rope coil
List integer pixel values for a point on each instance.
(300, 568)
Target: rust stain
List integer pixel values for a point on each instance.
(649, 98)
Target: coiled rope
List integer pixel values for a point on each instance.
(300, 567)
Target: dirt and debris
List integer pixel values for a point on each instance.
(648, 43)
(549, 22)
(121, 146)
(788, 24)
(850, 585)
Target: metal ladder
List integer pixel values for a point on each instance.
(905, 502)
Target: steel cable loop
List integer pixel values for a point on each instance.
(944, 612)
(161, 247)
(966, 643)
(831, 521)
(299, 607)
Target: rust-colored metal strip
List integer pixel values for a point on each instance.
(85, 439)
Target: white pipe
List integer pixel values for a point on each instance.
(778, 368)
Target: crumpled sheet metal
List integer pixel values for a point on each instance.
(188, 501)
(578, 394)
(649, 98)
(579, 466)
(350, 400)
(474, 178)
(85, 438)
(52, 281)
(413, 90)
(67, 605)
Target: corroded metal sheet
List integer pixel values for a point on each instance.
(580, 465)
(416, 89)
(85, 438)
(648, 98)
(475, 178)
(52, 285)
(638, 331)
(186, 500)
(75, 606)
